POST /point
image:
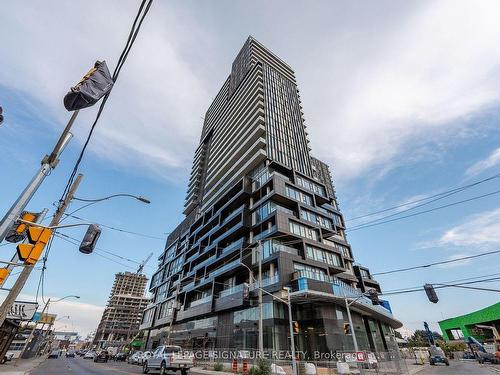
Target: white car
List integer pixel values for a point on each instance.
(90, 355)
(135, 358)
(171, 358)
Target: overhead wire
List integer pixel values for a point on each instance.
(445, 193)
(436, 263)
(448, 282)
(139, 18)
(115, 228)
(440, 286)
(376, 223)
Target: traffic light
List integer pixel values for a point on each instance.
(431, 293)
(296, 328)
(373, 295)
(92, 87)
(1, 115)
(18, 232)
(4, 273)
(90, 239)
(37, 238)
(347, 328)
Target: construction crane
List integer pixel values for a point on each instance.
(143, 263)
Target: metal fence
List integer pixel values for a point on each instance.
(230, 360)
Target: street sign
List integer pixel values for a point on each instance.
(21, 310)
(47, 319)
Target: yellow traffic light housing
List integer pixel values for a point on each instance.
(4, 273)
(347, 328)
(296, 328)
(38, 238)
(18, 232)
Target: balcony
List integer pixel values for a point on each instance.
(328, 292)
(264, 233)
(200, 301)
(232, 246)
(230, 298)
(196, 308)
(232, 290)
(318, 276)
(266, 282)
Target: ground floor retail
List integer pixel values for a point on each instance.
(322, 328)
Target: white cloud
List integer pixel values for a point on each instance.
(83, 317)
(491, 161)
(477, 231)
(153, 115)
(376, 85)
(422, 78)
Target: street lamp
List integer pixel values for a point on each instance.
(138, 197)
(97, 200)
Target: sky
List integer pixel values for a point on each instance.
(401, 99)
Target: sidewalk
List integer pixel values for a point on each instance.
(21, 366)
(414, 368)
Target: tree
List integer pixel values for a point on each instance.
(450, 347)
(419, 338)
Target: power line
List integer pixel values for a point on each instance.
(444, 282)
(116, 229)
(442, 194)
(74, 241)
(139, 18)
(436, 263)
(376, 222)
(440, 286)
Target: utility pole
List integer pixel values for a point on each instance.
(261, 310)
(30, 337)
(49, 162)
(353, 332)
(292, 339)
(25, 273)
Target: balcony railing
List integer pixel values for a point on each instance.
(315, 276)
(266, 282)
(264, 233)
(201, 301)
(232, 290)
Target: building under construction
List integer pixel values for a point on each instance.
(122, 316)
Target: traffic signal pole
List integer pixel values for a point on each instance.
(292, 338)
(25, 273)
(49, 162)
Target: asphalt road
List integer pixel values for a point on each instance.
(459, 368)
(80, 366)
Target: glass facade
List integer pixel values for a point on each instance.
(323, 256)
(315, 218)
(303, 231)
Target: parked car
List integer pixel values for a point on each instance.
(70, 353)
(169, 358)
(90, 354)
(135, 358)
(7, 357)
(120, 356)
(54, 353)
(102, 356)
